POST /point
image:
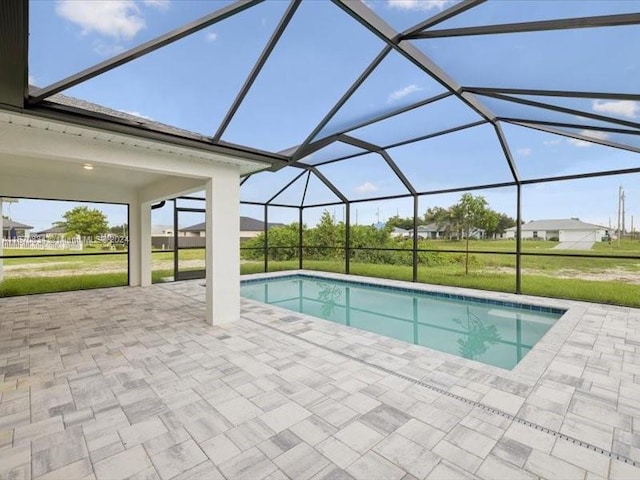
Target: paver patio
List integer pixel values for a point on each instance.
(131, 383)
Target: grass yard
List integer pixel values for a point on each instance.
(609, 280)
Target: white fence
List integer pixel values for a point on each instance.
(42, 244)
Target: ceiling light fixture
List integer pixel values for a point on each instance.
(87, 166)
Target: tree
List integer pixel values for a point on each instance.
(84, 221)
(470, 212)
(400, 222)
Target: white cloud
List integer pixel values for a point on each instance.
(549, 143)
(32, 80)
(624, 108)
(159, 4)
(523, 152)
(403, 92)
(595, 134)
(424, 5)
(366, 187)
(107, 49)
(119, 19)
(211, 36)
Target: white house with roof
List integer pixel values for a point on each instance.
(562, 230)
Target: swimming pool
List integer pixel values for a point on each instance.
(489, 331)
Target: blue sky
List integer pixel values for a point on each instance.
(191, 84)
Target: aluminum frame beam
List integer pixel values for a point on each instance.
(570, 111)
(551, 93)
(450, 12)
(257, 67)
(141, 50)
(14, 28)
(380, 28)
(539, 26)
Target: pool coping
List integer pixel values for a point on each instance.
(528, 371)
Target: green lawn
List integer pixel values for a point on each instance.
(608, 280)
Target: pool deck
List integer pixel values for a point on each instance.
(131, 383)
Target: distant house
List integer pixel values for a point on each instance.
(398, 232)
(249, 228)
(162, 230)
(53, 232)
(562, 230)
(433, 231)
(12, 229)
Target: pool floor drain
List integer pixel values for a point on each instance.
(479, 405)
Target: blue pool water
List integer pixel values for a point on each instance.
(484, 330)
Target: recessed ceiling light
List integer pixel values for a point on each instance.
(87, 166)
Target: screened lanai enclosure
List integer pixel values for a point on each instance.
(357, 112)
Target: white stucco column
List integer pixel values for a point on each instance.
(140, 244)
(223, 246)
(1, 242)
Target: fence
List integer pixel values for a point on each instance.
(42, 244)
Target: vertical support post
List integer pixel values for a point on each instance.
(518, 238)
(222, 243)
(347, 238)
(300, 218)
(415, 238)
(1, 243)
(140, 244)
(176, 263)
(266, 238)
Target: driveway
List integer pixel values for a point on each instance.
(574, 246)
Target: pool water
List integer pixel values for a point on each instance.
(482, 330)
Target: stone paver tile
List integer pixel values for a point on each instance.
(220, 448)
(141, 432)
(384, 419)
(531, 437)
(38, 429)
(373, 466)
(581, 457)
(166, 440)
(456, 455)
(280, 443)
(301, 462)
(204, 471)
(333, 412)
(285, 416)
(623, 471)
(512, 451)
(249, 434)
(178, 459)
(122, 465)
(337, 452)
(551, 468)
(16, 462)
(313, 430)
(501, 400)
(407, 454)
(331, 472)
(207, 427)
(448, 471)
(55, 451)
(239, 410)
(6, 439)
(359, 437)
(494, 468)
(80, 469)
(421, 433)
(471, 441)
(434, 416)
(588, 430)
(147, 474)
(249, 465)
(360, 402)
